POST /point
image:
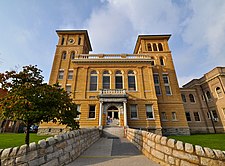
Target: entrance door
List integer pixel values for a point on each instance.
(112, 116)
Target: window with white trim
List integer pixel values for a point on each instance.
(106, 80)
(61, 73)
(119, 80)
(188, 116)
(91, 111)
(197, 116)
(167, 84)
(208, 96)
(131, 80)
(174, 116)
(149, 111)
(133, 111)
(214, 114)
(219, 92)
(163, 116)
(156, 82)
(68, 88)
(183, 98)
(70, 74)
(93, 80)
(191, 98)
(78, 110)
(64, 55)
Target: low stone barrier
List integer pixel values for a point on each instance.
(54, 151)
(167, 151)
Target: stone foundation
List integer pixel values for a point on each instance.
(171, 152)
(54, 151)
(175, 131)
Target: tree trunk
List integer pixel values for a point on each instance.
(27, 139)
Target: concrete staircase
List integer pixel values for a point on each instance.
(113, 132)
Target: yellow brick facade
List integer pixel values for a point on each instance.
(136, 103)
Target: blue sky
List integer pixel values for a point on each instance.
(27, 30)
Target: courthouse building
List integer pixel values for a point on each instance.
(138, 90)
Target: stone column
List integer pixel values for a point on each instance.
(100, 114)
(125, 113)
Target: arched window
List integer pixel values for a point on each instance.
(191, 97)
(119, 80)
(64, 55)
(219, 92)
(154, 47)
(131, 81)
(93, 80)
(161, 61)
(149, 47)
(106, 79)
(208, 95)
(183, 98)
(72, 56)
(160, 47)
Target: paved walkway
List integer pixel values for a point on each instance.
(112, 152)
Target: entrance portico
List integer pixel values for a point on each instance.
(113, 104)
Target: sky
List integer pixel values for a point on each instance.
(27, 30)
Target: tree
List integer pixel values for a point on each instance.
(32, 101)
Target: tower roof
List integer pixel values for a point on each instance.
(85, 32)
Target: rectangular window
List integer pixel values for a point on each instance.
(149, 112)
(68, 88)
(156, 82)
(197, 116)
(208, 115)
(167, 84)
(93, 83)
(131, 83)
(70, 75)
(106, 82)
(214, 114)
(119, 82)
(61, 73)
(163, 116)
(174, 116)
(133, 111)
(188, 116)
(78, 110)
(91, 111)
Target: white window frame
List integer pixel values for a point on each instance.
(61, 71)
(174, 119)
(135, 109)
(186, 116)
(198, 116)
(157, 84)
(167, 84)
(164, 117)
(69, 74)
(152, 110)
(78, 110)
(92, 111)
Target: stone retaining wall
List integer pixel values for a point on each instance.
(54, 151)
(171, 152)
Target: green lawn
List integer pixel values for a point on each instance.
(13, 139)
(213, 141)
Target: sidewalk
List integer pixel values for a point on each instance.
(112, 152)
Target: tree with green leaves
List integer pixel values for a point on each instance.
(31, 101)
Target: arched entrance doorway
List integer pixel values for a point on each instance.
(113, 116)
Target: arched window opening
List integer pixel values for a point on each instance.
(113, 108)
(119, 80)
(64, 55)
(72, 56)
(160, 47)
(106, 79)
(208, 95)
(161, 61)
(219, 92)
(154, 47)
(93, 80)
(131, 81)
(191, 97)
(183, 98)
(149, 47)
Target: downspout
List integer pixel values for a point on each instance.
(208, 109)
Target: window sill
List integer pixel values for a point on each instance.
(91, 119)
(150, 119)
(175, 120)
(134, 119)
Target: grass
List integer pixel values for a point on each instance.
(213, 141)
(17, 139)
